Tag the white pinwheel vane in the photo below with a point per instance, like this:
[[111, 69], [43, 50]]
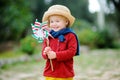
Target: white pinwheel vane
[[40, 31]]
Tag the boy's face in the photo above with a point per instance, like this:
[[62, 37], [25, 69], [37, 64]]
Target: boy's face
[[57, 22]]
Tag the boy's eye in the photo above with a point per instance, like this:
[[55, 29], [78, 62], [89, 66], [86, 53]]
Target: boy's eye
[[57, 21], [51, 21]]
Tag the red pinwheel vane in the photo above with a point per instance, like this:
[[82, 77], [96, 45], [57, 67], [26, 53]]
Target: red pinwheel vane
[[40, 31]]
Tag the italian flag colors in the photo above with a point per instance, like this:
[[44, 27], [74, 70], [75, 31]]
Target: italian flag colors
[[40, 31]]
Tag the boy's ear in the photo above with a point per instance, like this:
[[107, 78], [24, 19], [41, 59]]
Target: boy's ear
[[67, 22]]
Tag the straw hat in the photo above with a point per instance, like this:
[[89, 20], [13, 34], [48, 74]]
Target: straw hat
[[59, 10]]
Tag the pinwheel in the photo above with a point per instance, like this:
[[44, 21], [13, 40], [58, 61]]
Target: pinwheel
[[41, 32]]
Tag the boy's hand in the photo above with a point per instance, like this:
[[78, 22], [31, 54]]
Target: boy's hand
[[51, 55], [46, 50]]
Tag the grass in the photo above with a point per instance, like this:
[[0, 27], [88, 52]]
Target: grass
[[17, 53], [97, 59], [100, 64], [10, 54]]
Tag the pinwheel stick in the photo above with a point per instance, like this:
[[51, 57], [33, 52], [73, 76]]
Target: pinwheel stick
[[50, 59], [40, 32]]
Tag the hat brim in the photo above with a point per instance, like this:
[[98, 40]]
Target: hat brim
[[58, 12]]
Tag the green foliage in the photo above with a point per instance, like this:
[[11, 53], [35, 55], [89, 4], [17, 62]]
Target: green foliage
[[10, 54], [106, 39], [81, 24], [15, 19], [38, 8], [99, 39], [28, 45], [88, 37], [116, 43], [85, 33], [93, 37]]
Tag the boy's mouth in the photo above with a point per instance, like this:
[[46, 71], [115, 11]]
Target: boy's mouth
[[55, 27]]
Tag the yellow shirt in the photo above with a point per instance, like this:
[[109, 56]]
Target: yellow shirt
[[51, 78]]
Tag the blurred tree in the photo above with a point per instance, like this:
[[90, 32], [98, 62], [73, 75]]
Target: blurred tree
[[38, 7], [101, 15], [15, 16], [115, 9], [116, 4]]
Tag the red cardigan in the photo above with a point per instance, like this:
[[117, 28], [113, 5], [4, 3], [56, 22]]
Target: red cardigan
[[65, 51]]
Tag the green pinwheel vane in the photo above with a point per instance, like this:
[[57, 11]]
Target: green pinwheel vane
[[41, 32]]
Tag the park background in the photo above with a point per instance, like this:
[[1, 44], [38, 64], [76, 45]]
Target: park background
[[98, 31]]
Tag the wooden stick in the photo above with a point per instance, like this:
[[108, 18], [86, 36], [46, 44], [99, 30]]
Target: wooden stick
[[50, 59], [51, 65]]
